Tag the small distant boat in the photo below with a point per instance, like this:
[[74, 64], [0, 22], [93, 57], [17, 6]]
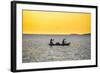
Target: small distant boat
[[59, 44]]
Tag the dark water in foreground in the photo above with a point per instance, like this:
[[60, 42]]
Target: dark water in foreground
[[35, 48]]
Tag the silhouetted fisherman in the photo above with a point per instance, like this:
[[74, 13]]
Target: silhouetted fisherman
[[51, 41], [63, 42]]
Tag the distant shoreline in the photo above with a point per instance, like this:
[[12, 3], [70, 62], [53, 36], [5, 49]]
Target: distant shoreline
[[59, 34]]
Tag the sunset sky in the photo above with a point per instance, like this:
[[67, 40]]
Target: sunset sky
[[46, 22]]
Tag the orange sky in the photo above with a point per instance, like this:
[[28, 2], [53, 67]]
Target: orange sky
[[46, 22]]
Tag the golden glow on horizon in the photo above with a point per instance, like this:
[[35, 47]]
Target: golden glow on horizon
[[46, 22]]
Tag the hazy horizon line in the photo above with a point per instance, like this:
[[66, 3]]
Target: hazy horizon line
[[58, 34]]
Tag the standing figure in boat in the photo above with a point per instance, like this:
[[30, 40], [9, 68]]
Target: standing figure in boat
[[51, 42]]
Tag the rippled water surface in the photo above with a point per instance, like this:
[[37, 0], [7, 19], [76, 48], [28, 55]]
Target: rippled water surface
[[35, 48]]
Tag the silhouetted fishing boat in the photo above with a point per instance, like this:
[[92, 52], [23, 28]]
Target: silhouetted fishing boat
[[58, 44]]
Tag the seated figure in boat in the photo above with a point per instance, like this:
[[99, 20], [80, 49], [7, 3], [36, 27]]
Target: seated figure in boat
[[63, 42]]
